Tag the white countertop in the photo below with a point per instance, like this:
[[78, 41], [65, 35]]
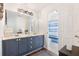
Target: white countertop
[[20, 36]]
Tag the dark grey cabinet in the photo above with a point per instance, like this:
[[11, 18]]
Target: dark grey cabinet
[[37, 42], [21, 46], [10, 47], [29, 43]]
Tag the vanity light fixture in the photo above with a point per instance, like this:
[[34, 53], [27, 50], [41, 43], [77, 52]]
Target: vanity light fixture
[[25, 11]]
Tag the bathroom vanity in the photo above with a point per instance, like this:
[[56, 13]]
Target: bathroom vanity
[[22, 45]]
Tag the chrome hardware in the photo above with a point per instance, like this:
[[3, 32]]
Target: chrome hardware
[[31, 38], [30, 46]]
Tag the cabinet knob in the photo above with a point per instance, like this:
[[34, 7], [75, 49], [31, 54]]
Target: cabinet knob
[[30, 46], [31, 38]]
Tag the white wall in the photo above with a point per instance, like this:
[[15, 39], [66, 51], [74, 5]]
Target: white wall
[[75, 24]]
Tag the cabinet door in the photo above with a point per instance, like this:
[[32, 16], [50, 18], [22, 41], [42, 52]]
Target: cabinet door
[[10, 47], [22, 46], [40, 40], [34, 43], [29, 44], [37, 42]]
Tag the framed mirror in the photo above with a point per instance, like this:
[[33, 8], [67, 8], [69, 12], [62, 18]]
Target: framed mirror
[[16, 23]]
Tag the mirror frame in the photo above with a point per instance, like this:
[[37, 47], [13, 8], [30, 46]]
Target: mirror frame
[[1, 10]]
